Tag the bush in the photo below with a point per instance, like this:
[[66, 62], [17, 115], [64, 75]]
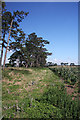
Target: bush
[[70, 75], [36, 109], [43, 110], [58, 97]]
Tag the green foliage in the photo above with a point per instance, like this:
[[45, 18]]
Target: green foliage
[[70, 75], [31, 51], [5, 74], [52, 102], [11, 21], [55, 103], [35, 109], [43, 110], [8, 65], [13, 87], [58, 97], [25, 72]]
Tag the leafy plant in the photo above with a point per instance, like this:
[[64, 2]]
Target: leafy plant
[[70, 75], [58, 97]]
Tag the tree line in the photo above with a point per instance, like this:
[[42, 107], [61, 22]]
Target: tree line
[[30, 51]]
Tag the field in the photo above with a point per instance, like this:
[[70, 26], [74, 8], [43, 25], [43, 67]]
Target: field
[[40, 93]]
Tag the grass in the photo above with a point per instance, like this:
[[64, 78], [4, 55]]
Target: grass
[[23, 87]]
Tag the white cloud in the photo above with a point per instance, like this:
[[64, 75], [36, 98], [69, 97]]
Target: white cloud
[[58, 61], [55, 60]]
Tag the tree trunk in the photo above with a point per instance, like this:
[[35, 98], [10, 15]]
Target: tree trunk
[[23, 64], [1, 54], [17, 63], [31, 64], [26, 65], [7, 45], [2, 48], [37, 62]]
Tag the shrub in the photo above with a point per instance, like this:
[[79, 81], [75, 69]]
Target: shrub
[[70, 75], [58, 97]]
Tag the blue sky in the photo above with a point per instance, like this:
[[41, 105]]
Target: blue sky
[[56, 22]]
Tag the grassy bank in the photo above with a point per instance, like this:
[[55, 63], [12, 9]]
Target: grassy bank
[[36, 93]]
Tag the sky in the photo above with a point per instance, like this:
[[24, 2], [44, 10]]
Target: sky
[[56, 22]]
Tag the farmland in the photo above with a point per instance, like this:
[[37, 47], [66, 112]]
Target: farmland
[[69, 74], [40, 92]]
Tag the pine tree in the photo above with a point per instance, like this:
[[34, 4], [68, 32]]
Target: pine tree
[[34, 51], [17, 46], [12, 25], [3, 10], [31, 51]]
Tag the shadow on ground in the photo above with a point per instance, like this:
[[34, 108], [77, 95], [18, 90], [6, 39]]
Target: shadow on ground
[[20, 71]]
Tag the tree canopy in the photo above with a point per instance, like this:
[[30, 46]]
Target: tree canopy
[[32, 52], [10, 27]]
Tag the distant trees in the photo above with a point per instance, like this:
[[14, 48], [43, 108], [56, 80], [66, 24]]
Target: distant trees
[[32, 53], [64, 63], [55, 64], [72, 64]]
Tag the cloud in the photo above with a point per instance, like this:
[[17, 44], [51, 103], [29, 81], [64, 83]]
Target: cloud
[[55, 60], [58, 61]]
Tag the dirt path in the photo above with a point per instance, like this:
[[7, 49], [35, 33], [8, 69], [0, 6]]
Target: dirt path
[[71, 91]]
